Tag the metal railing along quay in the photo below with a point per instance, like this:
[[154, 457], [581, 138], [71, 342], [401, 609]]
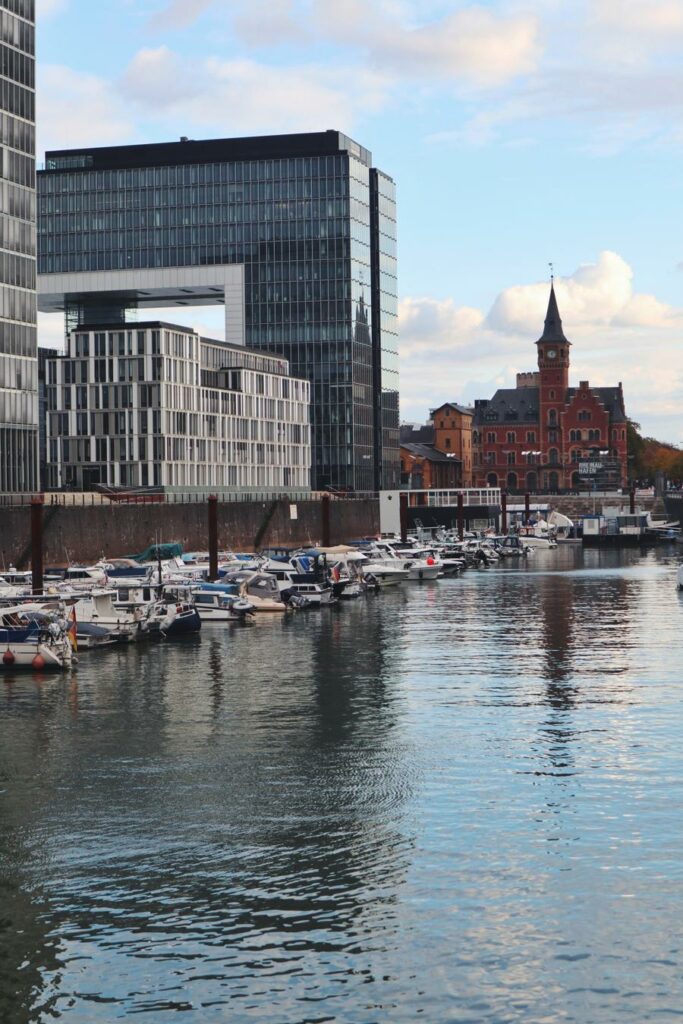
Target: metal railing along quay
[[76, 499]]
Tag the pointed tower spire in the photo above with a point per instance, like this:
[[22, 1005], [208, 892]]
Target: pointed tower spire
[[552, 330]]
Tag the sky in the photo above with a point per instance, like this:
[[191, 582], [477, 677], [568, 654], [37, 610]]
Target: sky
[[518, 134]]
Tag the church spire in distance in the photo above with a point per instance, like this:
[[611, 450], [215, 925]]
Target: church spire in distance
[[552, 330]]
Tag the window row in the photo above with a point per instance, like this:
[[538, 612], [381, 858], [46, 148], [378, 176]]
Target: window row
[[19, 67], [15, 32], [19, 271], [18, 236], [17, 201], [17, 134], [17, 167], [24, 8], [17, 99], [18, 340], [17, 305], [324, 167]]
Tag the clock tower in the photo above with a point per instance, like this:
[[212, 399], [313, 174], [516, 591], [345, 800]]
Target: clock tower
[[553, 382]]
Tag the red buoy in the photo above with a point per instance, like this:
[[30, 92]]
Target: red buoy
[[430, 561], [8, 657], [38, 662]]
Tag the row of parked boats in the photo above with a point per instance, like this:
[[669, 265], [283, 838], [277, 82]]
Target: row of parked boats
[[170, 594]]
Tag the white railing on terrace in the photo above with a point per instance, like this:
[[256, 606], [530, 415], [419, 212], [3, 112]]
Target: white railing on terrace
[[446, 498]]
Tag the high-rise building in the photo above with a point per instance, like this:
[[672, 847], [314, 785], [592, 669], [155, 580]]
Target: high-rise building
[[296, 234], [18, 340]]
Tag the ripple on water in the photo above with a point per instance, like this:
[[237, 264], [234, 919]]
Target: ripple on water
[[459, 801]]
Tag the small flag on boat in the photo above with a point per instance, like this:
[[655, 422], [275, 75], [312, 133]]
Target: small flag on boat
[[73, 630]]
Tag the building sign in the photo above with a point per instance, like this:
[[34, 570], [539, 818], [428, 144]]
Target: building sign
[[602, 473]]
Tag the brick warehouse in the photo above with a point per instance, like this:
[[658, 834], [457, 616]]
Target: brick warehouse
[[533, 437]]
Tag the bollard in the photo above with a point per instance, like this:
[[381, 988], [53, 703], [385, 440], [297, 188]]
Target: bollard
[[37, 544], [504, 513], [213, 537], [404, 517], [632, 501], [527, 508], [461, 516], [325, 520]]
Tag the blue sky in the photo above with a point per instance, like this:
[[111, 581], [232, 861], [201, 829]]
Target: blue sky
[[517, 133]]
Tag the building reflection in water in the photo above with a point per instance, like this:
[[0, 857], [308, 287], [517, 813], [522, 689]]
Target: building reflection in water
[[238, 795]]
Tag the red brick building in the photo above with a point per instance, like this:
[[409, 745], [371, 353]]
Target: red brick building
[[534, 437]]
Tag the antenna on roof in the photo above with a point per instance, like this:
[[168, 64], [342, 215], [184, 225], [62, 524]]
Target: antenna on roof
[[552, 273]]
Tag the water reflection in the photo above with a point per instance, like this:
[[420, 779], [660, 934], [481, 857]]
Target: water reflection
[[427, 803]]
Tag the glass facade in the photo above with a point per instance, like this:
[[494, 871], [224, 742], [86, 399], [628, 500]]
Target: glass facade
[[314, 225], [18, 339]]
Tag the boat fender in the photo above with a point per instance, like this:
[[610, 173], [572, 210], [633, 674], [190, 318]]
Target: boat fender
[[8, 657], [38, 662], [430, 561]]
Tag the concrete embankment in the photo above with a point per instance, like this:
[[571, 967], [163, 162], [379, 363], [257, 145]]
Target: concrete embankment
[[83, 533]]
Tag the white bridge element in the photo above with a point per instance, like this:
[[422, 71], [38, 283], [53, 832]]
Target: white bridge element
[[163, 287], [390, 502]]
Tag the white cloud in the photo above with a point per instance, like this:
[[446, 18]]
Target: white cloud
[[598, 293], [245, 96], [179, 14], [48, 8], [78, 109], [455, 352]]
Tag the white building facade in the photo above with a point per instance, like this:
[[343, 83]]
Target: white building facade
[[155, 405]]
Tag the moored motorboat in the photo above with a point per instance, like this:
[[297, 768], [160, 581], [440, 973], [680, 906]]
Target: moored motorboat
[[30, 644]]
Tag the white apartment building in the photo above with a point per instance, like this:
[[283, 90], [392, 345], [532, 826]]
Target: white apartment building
[[155, 405]]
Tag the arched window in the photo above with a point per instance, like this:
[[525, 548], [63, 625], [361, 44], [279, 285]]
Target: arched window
[[512, 439], [476, 437], [552, 416], [553, 457], [492, 480], [593, 435], [511, 458], [512, 481], [448, 442], [574, 435], [584, 416], [531, 482], [552, 396], [491, 437], [576, 454], [553, 482]]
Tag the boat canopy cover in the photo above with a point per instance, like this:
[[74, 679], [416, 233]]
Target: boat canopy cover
[[163, 551], [216, 588], [557, 519]]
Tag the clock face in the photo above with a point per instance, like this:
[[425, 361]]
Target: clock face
[[551, 353]]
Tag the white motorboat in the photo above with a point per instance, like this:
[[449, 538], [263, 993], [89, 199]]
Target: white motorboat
[[99, 609], [41, 643], [221, 603], [385, 574]]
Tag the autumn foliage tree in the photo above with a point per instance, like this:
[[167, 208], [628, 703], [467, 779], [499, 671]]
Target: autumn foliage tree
[[647, 456]]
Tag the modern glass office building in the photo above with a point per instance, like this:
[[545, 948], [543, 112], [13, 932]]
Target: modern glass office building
[[311, 224], [18, 340]]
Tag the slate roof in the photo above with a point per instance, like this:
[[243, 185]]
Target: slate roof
[[552, 331], [464, 409], [611, 398], [410, 434], [510, 405], [520, 405], [426, 451]]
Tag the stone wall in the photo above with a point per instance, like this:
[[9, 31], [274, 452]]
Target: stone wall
[[85, 534]]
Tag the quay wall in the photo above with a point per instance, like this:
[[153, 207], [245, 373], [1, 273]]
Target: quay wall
[[82, 533]]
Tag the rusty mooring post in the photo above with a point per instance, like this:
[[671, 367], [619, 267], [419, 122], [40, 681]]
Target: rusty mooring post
[[404, 517], [325, 520], [461, 516], [37, 544], [527, 508], [504, 512], [213, 537], [632, 501]]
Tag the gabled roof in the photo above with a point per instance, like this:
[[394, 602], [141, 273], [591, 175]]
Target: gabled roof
[[508, 406], [611, 398], [465, 410], [425, 451], [552, 330]]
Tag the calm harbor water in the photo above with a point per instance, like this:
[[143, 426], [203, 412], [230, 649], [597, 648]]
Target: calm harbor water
[[458, 801]]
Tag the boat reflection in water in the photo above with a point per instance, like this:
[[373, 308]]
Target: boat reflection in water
[[457, 801]]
